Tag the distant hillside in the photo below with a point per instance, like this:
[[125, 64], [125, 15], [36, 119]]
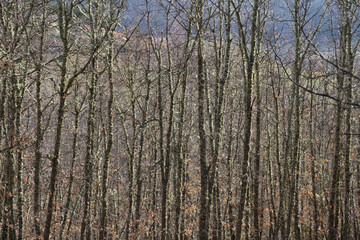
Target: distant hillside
[[136, 9]]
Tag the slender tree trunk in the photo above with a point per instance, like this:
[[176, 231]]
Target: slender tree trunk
[[295, 143], [131, 153], [71, 177], [340, 149], [19, 91], [8, 221], [257, 205], [64, 28], [230, 169], [346, 230], [103, 231], [179, 147], [39, 131], [166, 166], [334, 191], [144, 123], [248, 115], [218, 119], [89, 158], [280, 216], [313, 169], [55, 163], [204, 171], [2, 136]]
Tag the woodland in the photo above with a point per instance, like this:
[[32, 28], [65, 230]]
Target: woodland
[[179, 119]]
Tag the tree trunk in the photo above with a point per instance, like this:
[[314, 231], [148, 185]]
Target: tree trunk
[[251, 58], [103, 231], [39, 131], [73, 160], [89, 158]]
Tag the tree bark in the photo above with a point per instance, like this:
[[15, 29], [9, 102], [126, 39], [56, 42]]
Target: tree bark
[[250, 61]]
